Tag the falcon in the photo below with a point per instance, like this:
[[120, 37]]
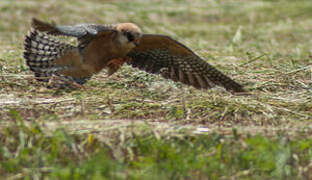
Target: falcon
[[110, 46]]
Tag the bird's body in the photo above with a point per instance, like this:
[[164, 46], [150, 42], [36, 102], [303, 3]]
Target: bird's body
[[109, 46], [93, 58]]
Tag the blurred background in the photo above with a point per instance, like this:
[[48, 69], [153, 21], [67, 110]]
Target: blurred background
[[279, 26], [137, 126]]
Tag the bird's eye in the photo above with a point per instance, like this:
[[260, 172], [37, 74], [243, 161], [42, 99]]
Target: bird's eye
[[129, 36]]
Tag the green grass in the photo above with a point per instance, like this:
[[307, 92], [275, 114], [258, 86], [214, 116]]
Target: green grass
[[138, 126], [29, 151]]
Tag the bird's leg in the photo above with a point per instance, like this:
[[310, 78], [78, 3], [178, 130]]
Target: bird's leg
[[114, 64], [127, 59]]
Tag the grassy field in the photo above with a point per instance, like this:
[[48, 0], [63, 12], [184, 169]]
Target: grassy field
[[138, 126]]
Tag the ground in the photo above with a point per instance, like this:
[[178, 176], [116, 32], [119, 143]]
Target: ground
[[138, 126]]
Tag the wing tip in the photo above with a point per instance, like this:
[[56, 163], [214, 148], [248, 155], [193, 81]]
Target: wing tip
[[236, 88]]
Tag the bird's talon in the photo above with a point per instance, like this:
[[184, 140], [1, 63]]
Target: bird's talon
[[128, 59]]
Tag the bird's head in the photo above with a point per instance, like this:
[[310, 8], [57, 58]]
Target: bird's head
[[129, 34]]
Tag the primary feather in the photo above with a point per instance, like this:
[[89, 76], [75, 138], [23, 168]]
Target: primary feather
[[163, 55]]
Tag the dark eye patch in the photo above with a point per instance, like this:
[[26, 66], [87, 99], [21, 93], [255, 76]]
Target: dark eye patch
[[130, 36]]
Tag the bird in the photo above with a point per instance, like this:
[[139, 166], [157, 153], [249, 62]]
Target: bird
[[110, 46]]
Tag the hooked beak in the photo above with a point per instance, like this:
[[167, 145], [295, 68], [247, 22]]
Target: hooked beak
[[136, 43]]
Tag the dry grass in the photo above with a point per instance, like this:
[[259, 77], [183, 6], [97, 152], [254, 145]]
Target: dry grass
[[264, 45], [267, 53]]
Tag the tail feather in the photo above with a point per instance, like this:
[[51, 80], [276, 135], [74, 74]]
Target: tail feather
[[44, 27], [40, 53]]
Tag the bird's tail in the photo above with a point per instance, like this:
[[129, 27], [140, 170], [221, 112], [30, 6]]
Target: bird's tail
[[48, 28], [40, 53]]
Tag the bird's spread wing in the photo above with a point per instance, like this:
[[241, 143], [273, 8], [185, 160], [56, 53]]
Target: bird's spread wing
[[78, 31], [166, 56]]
